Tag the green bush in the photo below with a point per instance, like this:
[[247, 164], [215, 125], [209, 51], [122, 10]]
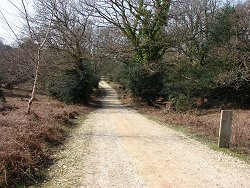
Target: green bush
[[181, 102], [143, 82], [73, 86]]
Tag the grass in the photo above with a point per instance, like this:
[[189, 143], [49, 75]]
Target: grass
[[202, 125], [27, 142]]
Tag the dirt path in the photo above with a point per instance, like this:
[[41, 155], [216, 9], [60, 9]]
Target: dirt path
[[117, 147]]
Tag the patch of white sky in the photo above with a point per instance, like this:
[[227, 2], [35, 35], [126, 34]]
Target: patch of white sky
[[15, 19], [11, 16]]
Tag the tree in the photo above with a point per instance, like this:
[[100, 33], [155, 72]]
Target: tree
[[71, 47], [189, 27], [37, 37], [230, 37], [109, 49], [40, 40], [70, 28], [142, 22], [210, 52]]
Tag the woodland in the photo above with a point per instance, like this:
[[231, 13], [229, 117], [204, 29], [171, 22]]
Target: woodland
[[190, 54]]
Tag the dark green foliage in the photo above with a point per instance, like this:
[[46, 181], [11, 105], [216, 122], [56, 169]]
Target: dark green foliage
[[219, 72], [222, 29], [143, 82], [184, 82], [73, 86], [191, 80]]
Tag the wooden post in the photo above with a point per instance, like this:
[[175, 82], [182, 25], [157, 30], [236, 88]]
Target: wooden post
[[225, 128]]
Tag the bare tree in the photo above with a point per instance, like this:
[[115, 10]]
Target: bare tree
[[109, 50], [71, 28], [40, 45], [189, 27], [37, 37]]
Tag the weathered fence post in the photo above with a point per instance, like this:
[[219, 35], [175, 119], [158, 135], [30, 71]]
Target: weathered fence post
[[225, 128]]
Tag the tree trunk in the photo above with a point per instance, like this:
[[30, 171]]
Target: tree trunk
[[35, 80]]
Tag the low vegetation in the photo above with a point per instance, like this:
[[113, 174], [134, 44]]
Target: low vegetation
[[27, 141]]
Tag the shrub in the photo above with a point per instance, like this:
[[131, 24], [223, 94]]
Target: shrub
[[143, 82], [73, 86], [181, 102], [184, 82]]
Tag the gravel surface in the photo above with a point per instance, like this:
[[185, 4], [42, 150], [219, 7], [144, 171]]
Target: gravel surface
[[117, 147]]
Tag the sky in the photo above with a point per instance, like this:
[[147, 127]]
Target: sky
[[13, 17]]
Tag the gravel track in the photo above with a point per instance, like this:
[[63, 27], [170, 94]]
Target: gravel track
[[117, 147]]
